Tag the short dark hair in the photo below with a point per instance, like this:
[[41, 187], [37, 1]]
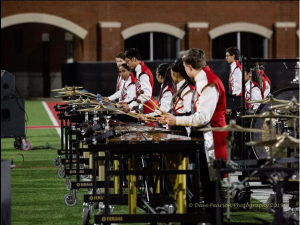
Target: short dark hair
[[195, 57], [120, 55], [233, 51], [132, 52], [125, 66]]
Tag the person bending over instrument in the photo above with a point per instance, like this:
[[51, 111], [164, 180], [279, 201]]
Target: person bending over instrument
[[181, 100], [252, 90], [235, 77], [144, 82], [208, 102], [208, 109], [127, 91], [168, 88]]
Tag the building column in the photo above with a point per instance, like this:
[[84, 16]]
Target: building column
[[297, 42], [109, 41], [285, 43], [197, 37]]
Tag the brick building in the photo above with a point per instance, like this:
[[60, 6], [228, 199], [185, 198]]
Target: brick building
[[38, 36]]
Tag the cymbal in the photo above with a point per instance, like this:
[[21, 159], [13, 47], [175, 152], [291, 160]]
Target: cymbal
[[66, 88], [85, 102], [76, 93], [99, 109], [231, 127], [283, 141], [88, 94], [270, 100], [80, 99], [292, 106], [271, 114], [70, 93]]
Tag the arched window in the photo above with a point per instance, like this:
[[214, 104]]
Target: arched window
[[154, 45], [251, 45]]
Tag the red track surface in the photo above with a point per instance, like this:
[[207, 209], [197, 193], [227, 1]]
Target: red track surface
[[41, 127], [54, 113], [51, 107]]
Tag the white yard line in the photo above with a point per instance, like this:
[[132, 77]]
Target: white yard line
[[55, 123]]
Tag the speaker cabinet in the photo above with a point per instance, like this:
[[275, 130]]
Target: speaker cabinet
[[13, 118], [7, 84], [5, 193]]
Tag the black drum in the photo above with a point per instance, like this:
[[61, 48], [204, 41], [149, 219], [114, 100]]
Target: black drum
[[279, 126]]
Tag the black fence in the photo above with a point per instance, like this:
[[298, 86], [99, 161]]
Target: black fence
[[101, 77]]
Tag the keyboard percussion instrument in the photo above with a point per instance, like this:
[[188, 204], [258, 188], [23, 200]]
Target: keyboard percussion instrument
[[122, 161]]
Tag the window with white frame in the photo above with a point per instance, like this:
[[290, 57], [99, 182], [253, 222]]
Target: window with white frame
[[69, 47], [154, 45], [250, 45]]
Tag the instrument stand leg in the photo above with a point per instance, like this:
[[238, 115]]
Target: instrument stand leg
[[218, 200], [132, 190], [278, 217]]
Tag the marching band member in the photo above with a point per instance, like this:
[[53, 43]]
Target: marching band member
[[144, 81], [251, 85], [235, 78], [208, 109], [120, 59], [127, 91], [181, 100], [168, 88], [209, 102], [266, 81]]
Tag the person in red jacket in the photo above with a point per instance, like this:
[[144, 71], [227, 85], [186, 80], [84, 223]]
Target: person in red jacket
[[252, 90], [208, 110], [144, 81], [209, 101], [266, 89], [252, 87], [235, 77]]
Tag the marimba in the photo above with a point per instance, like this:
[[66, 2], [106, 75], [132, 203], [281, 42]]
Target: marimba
[[135, 145]]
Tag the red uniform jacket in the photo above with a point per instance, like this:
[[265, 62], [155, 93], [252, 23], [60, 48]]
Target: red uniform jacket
[[145, 70], [218, 118]]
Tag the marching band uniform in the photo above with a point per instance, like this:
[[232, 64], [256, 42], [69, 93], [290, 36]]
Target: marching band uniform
[[119, 83], [182, 104], [144, 81], [164, 102], [209, 105], [266, 83], [255, 94], [235, 78], [127, 92], [208, 110]]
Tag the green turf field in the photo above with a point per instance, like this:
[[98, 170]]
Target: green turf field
[[37, 191]]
